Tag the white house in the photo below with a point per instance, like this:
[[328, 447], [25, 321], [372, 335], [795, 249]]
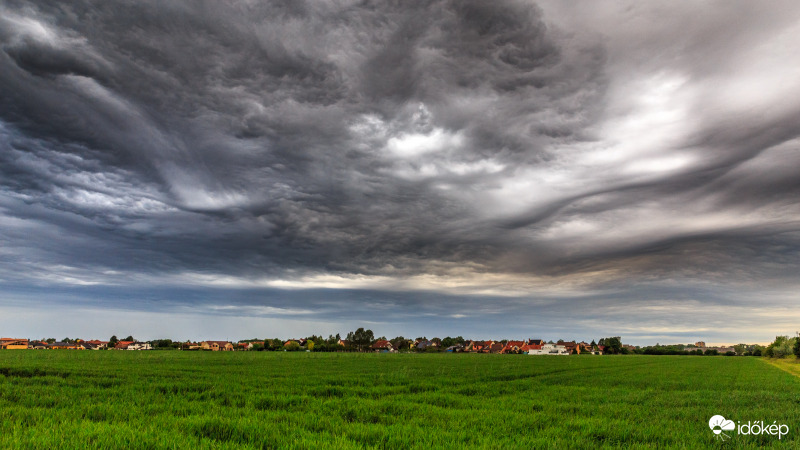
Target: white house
[[139, 346], [550, 349]]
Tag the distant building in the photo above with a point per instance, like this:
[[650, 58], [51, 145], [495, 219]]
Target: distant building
[[123, 345], [700, 344], [139, 346], [550, 349], [217, 346], [13, 344], [476, 346], [571, 346], [64, 346], [497, 347], [382, 345], [97, 345], [512, 347], [424, 345]]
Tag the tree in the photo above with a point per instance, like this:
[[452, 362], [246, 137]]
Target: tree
[[400, 343], [112, 342], [362, 338], [162, 343], [129, 338], [50, 340], [739, 349], [332, 340], [613, 345], [310, 345], [276, 344], [796, 349]]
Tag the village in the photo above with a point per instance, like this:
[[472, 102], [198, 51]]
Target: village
[[449, 345]]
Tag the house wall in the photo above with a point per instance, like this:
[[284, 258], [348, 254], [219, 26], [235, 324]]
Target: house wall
[[16, 347]]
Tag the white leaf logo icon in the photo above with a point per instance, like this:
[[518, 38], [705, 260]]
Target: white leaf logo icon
[[718, 424]]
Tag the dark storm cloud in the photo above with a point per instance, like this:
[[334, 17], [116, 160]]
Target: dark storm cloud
[[461, 146], [243, 115]]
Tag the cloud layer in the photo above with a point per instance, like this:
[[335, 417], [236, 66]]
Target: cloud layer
[[469, 153]]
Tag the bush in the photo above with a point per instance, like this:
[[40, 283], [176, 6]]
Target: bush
[[293, 346], [782, 347]]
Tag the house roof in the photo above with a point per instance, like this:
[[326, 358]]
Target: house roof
[[495, 348], [221, 343], [426, 344], [511, 344], [528, 347], [381, 343]]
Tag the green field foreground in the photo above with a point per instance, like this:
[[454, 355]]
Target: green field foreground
[[108, 399]]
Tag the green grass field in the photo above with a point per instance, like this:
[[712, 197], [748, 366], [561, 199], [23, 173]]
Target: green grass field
[[85, 399]]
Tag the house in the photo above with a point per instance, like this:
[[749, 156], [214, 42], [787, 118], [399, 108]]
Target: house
[[528, 347], [344, 343], [550, 349], [571, 346], [38, 345], [479, 346], [97, 344], [700, 344], [474, 346], [458, 348], [497, 347], [122, 345], [139, 346], [64, 346], [382, 345], [188, 345], [13, 344], [424, 345], [217, 346], [512, 347], [538, 342]]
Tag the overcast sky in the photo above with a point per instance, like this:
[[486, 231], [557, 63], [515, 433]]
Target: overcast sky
[[490, 169]]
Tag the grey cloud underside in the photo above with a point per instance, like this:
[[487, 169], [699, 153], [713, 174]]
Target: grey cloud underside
[[251, 139]]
